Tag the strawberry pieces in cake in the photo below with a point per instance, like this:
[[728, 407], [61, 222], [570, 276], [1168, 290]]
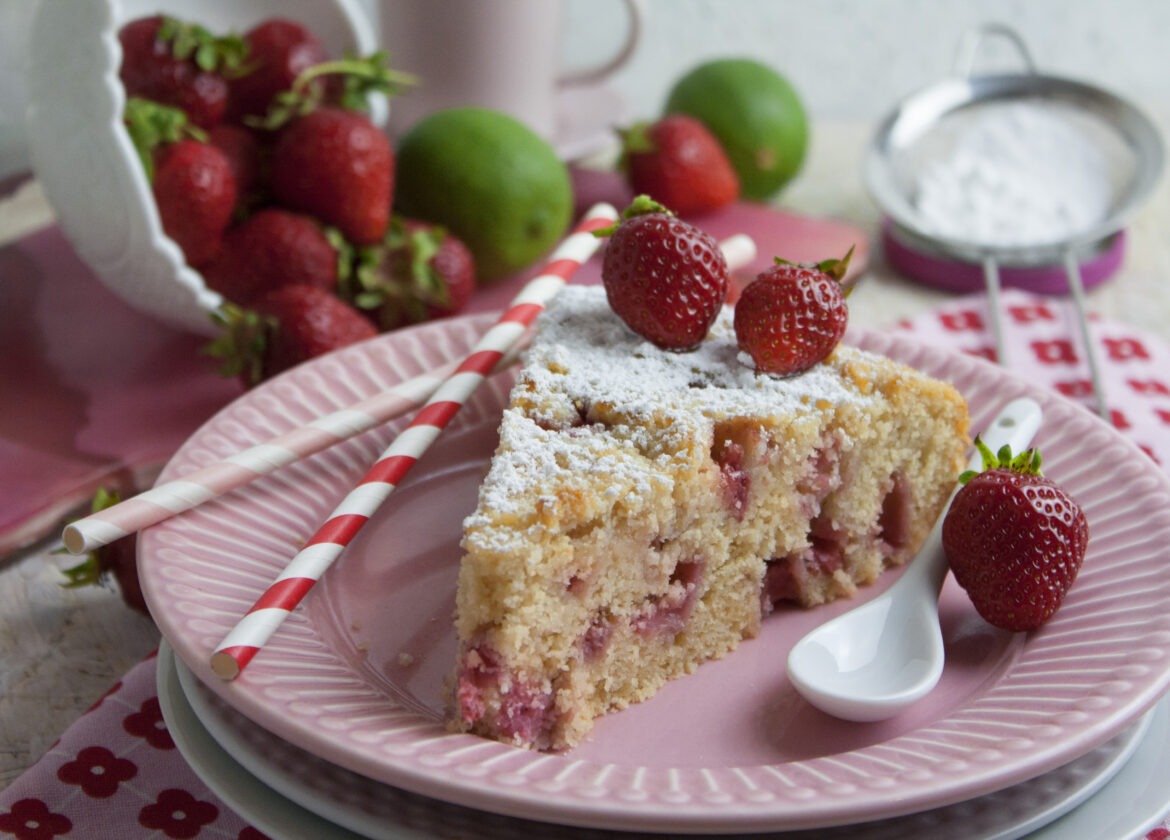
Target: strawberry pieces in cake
[[792, 315], [1014, 539], [665, 278]]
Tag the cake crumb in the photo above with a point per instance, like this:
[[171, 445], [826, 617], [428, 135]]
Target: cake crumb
[[405, 660]]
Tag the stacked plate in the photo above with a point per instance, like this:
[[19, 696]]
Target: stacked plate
[[342, 712]]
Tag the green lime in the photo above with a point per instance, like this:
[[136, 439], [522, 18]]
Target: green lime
[[755, 114], [489, 180]]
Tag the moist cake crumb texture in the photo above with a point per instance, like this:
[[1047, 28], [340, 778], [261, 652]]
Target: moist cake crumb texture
[[646, 509]]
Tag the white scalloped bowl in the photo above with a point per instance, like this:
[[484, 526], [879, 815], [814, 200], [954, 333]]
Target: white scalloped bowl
[[83, 156]]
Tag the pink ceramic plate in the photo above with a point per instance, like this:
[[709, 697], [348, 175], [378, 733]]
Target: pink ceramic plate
[[355, 675]]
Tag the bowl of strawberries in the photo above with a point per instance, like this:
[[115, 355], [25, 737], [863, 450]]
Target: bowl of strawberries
[[150, 125]]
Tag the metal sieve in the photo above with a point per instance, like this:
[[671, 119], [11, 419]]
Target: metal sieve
[[926, 124]]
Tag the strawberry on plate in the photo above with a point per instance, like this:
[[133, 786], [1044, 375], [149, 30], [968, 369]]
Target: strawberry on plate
[[665, 278], [1015, 540], [677, 161], [792, 315], [271, 249], [420, 272]]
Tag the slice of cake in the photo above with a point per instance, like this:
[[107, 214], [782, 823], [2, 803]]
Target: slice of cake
[[646, 509]]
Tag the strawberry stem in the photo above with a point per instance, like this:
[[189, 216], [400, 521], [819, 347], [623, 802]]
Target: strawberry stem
[[1026, 462], [835, 268], [150, 125], [642, 205], [89, 571], [362, 76], [224, 54], [240, 347]]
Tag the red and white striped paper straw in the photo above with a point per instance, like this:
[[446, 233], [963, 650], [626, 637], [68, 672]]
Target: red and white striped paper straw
[[173, 497], [270, 610]]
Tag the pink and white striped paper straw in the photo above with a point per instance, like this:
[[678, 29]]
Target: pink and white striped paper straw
[[270, 610], [173, 497]]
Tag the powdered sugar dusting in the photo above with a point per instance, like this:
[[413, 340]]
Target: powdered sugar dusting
[[659, 405], [603, 360], [532, 458]]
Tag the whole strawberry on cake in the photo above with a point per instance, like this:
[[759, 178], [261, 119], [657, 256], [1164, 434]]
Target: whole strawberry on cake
[[657, 492]]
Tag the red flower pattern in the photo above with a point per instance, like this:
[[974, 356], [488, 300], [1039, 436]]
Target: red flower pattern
[[177, 814], [31, 819], [1055, 351], [98, 772], [1029, 312], [1150, 386], [1076, 388], [959, 321], [1124, 349], [148, 723]]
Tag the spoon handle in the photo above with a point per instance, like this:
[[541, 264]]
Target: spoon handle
[[1015, 425]]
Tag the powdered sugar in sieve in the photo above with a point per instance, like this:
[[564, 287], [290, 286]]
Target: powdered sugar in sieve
[[1015, 173]]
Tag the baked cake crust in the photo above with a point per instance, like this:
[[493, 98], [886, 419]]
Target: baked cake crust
[[646, 509]]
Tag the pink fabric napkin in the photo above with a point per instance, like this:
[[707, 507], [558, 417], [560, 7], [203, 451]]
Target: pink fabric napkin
[[117, 774]]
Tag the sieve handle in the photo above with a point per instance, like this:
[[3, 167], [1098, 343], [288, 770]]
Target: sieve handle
[[992, 285], [974, 39], [1077, 288]]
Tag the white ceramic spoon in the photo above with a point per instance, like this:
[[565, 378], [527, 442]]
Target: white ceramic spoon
[[872, 662]]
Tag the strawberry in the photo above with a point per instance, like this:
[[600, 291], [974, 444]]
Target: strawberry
[[1014, 539], [180, 65], [678, 162], [336, 165], [664, 277], [792, 315], [332, 162], [117, 560], [271, 249], [195, 193], [284, 327], [420, 272], [278, 51]]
